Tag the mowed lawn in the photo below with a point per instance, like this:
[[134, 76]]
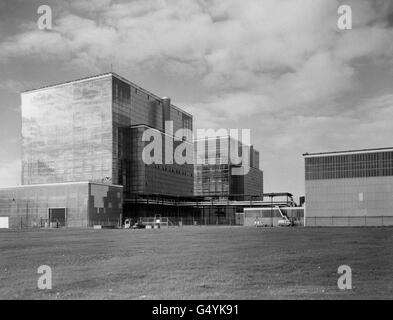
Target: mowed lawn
[[198, 263]]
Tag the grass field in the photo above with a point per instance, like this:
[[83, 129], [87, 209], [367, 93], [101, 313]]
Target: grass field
[[198, 263]]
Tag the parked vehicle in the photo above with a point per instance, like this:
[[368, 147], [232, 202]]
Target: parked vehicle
[[284, 222]]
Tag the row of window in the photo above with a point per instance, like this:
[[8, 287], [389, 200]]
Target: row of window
[[350, 166], [173, 170]]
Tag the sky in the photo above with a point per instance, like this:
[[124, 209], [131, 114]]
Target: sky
[[281, 68]]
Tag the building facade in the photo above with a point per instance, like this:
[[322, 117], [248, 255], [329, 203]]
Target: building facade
[[91, 130], [88, 135], [74, 204], [140, 177], [349, 188], [71, 131], [214, 170]]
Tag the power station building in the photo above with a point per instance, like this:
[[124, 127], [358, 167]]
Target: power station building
[[86, 134], [349, 188], [83, 160], [216, 174]]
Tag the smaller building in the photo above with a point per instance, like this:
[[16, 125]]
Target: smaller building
[[215, 170], [349, 188], [74, 204]]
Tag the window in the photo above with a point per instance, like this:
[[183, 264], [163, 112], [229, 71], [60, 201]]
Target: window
[[349, 166]]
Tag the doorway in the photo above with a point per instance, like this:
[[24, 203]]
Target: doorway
[[57, 217]]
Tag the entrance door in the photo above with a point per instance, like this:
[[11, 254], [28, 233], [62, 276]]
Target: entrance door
[[57, 217]]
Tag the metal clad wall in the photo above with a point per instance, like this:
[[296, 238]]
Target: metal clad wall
[[28, 206], [352, 188], [67, 133], [105, 204], [331, 201], [166, 179]]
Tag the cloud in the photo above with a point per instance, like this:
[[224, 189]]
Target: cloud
[[15, 86], [230, 107], [236, 45]]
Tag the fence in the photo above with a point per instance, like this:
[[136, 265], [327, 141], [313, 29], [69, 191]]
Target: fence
[[271, 216], [105, 223], [203, 220], [349, 221], [22, 223]]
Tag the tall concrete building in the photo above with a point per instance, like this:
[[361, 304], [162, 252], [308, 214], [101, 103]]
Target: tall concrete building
[[78, 131], [83, 149], [87, 134], [349, 188]]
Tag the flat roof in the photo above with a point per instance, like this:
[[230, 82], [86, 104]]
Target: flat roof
[[104, 75], [335, 153], [59, 183], [278, 194], [226, 137], [142, 125]]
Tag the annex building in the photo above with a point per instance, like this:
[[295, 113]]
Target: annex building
[[349, 188]]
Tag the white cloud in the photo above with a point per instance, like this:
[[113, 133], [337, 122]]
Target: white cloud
[[16, 86]]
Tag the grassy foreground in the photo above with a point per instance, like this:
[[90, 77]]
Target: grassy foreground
[[198, 263]]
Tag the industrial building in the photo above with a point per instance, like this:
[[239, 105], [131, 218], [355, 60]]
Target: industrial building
[[349, 188], [73, 204], [79, 130], [89, 130], [82, 161], [219, 195], [214, 174]]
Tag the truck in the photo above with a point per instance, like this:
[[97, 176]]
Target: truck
[[284, 222]]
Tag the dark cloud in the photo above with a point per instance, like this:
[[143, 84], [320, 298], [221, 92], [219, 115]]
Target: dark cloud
[[384, 13], [389, 19]]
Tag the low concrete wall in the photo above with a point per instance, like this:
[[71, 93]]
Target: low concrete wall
[[85, 203]]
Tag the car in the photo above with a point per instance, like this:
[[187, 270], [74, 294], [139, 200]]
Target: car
[[285, 223], [258, 224]]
